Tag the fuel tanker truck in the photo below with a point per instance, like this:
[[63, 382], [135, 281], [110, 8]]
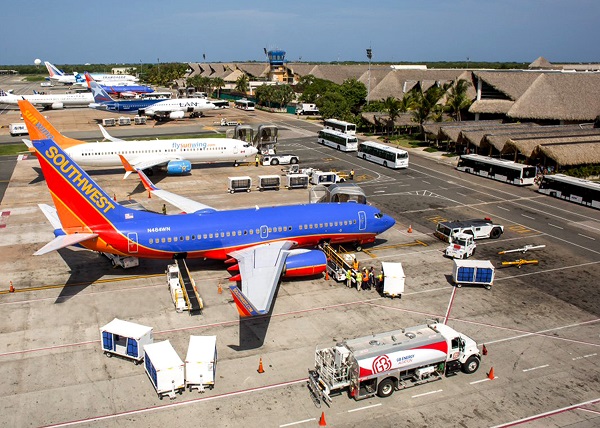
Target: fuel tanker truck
[[381, 363]]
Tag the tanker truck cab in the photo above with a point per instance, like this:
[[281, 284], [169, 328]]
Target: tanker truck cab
[[463, 353]]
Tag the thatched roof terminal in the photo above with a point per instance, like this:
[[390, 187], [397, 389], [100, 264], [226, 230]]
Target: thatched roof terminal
[[475, 136], [511, 83], [491, 106], [571, 154], [451, 130], [499, 139], [526, 146]]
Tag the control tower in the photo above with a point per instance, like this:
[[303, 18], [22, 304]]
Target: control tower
[[278, 72]]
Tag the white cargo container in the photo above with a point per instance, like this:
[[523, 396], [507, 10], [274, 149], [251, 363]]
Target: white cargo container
[[126, 339], [201, 362], [297, 181], [269, 182], [478, 272], [124, 121], [240, 184], [164, 368], [111, 121], [393, 279]]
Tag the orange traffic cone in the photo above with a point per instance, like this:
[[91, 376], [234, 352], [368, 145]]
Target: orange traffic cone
[[260, 366], [491, 374], [115, 197], [409, 228], [484, 350], [220, 289], [149, 194], [11, 289], [322, 422], [326, 275]]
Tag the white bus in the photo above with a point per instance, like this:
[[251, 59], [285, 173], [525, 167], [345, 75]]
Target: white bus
[[338, 140], [571, 189], [244, 104], [497, 169], [340, 126], [387, 156]]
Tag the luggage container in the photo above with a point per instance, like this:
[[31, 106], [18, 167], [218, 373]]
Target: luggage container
[[139, 120], [201, 363], [164, 368], [297, 181], [17, 129], [240, 184], [393, 279], [268, 182], [109, 122], [124, 121], [126, 339], [479, 272], [324, 178]]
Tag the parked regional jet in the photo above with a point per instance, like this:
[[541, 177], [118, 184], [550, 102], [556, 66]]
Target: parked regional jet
[[265, 241], [53, 101], [176, 156], [61, 77], [159, 109]]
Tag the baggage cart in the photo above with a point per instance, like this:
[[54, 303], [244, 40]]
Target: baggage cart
[[164, 368], [240, 184], [297, 181], [109, 122], [140, 120], [393, 279], [125, 339], [268, 182], [124, 121], [477, 272], [201, 363]]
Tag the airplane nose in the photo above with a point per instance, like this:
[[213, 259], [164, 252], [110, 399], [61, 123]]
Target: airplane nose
[[388, 221]]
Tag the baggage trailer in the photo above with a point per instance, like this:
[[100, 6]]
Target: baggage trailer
[[297, 181], [201, 363], [269, 182], [126, 339], [164, 368], [240, 184], [380, 364], [477, 272], [393, 279]]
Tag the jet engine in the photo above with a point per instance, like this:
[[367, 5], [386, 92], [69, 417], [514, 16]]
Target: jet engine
[[176, 115], [303, 262], [179, 167], [57, 106]]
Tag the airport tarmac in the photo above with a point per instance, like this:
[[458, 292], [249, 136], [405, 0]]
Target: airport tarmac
[[539, 323]]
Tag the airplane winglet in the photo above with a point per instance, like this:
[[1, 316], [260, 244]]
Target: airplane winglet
[[109, 137], [148, 185], [129, 169], [243, 305]]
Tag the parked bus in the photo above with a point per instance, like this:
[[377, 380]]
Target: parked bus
[[387, 156], [244, 104], [571, 189], [338, 140], [340, 126], [497, 169]]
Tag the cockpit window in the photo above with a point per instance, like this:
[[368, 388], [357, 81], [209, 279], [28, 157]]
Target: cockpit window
[[378, 215]]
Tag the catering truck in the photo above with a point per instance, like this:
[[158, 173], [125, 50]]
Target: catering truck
[[381, 363]]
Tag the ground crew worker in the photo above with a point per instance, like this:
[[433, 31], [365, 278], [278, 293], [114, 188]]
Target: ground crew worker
[[380, 280], [366, 279], [256, 160], [164, 209], [355, 264], [371, 278], [359, 280], [349, 278], [352, 174]]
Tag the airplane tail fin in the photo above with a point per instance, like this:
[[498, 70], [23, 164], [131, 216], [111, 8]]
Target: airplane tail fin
[[40, 129], [81, 204], [100, 95], [52, 70]]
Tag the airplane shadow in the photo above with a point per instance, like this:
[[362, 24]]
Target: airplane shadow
[[40, 176]]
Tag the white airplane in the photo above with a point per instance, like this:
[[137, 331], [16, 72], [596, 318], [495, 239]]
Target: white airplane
[[76, 78], [53, 101], [176, 156], [174, 108]]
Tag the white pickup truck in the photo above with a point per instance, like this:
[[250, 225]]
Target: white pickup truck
[[485, 228]]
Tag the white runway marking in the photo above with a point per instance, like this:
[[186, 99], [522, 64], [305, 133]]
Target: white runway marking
[[427, 393], [364, 408], [535, 368], [298, 422]]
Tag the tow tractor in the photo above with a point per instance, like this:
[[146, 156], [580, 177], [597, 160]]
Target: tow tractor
[[462, 246]]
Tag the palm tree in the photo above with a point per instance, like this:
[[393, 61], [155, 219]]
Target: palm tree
[[218, 83], [241, 84], [392, 106], [426, 105], [457, 98]]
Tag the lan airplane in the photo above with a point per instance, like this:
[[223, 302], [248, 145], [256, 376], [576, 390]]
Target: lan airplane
[[159, 109], [265, 242], [176, 155], [49, 101]]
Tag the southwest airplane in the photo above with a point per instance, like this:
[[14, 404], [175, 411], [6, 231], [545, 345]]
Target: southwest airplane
[[159, 109], [60, 77], [175, 155], [265, 242], [49, 101]]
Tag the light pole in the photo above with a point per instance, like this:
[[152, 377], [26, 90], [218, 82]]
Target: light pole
[[369, 55]]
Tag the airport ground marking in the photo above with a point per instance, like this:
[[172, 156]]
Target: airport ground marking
[[546, 414], [427, 393], [502, 208], [553, 225], [585, 236], [596, 412], [297, 422], [536, 368], [450, 304], [364, 408], [528, 216], [482, 380], [584, 356], [179, 404]]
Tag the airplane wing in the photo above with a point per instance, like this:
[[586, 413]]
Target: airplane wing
[[145, 164], [181, 202], [63, 241], [260, 269], [109, 137]]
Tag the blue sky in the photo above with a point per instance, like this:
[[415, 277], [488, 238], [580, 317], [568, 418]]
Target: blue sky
[[66, 32]]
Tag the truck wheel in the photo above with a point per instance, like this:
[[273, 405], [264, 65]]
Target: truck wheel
[[294, 161], [471, 365], [385, 388], [495, 233], [458, 285], [274, 162]]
